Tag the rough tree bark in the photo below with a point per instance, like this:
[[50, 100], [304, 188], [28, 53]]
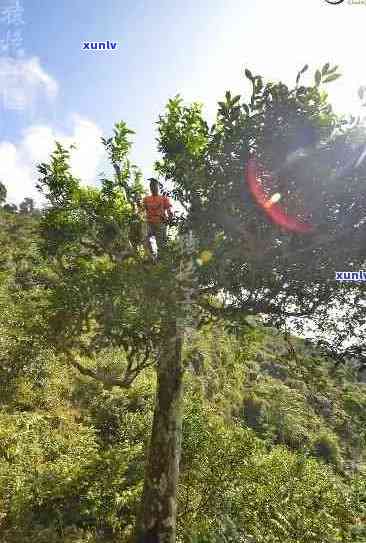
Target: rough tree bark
[[157, 518]]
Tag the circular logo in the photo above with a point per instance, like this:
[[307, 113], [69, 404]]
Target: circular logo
[[334, 1]]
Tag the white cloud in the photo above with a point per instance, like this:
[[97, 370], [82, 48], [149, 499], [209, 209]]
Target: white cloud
[[18, 163], [14, 173], [89, 149], [23, 81]]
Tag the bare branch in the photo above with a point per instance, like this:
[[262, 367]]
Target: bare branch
[[232, 311], [129, 376], [97, 375]]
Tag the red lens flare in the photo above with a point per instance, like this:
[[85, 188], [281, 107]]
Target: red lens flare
[[274, 210]]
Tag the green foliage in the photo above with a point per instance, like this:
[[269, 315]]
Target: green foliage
[[117, 418], [10, 208], [102, 292], [22, 297], [27, 206], [273, 442], [65, 469], [41, 455], [233, 488], [259, 266], [73, 451]]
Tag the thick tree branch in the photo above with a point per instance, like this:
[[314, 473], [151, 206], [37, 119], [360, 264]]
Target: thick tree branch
[[124, 382], [253, 309], [97, 375]]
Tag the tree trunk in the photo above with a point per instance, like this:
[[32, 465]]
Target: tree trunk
[[157, 519]]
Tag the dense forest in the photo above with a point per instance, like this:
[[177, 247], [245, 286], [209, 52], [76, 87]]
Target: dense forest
[[133, 411]]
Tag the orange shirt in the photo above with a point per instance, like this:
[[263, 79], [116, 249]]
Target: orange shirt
[[155, 207]]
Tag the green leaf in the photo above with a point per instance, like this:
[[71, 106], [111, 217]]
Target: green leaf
[[302, 71], [333, 70], [318, 78], [249, 75], [331, 78], [325, 68]]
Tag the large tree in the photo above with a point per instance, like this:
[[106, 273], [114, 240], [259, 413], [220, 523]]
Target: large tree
[[27, 205], [103, 291]]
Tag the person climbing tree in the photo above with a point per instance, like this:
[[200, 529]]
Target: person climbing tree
[[158, 214]]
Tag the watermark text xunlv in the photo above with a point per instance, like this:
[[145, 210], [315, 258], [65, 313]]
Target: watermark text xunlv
[[101, 45], [350, 276]]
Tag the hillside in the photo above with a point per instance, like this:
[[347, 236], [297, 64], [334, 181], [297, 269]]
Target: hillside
[[273, 437]]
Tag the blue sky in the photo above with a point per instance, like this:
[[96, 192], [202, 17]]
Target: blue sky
[[196, 48]]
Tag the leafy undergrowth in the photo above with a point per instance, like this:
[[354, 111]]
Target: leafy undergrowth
[[273, 440], [273, 448]]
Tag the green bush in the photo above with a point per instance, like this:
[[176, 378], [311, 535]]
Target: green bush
[[232, 488]]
